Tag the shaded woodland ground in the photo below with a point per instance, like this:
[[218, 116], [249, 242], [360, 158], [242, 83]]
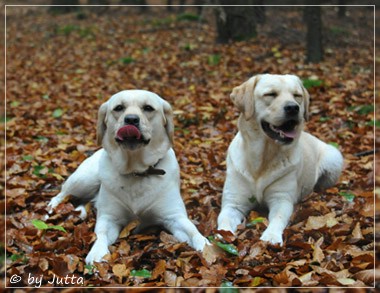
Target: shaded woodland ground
[[60, 68]]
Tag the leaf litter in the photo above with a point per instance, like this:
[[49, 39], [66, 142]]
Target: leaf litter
[[61, 68]]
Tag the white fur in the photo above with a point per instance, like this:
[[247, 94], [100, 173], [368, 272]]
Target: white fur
[[107, 176], [260, 170]]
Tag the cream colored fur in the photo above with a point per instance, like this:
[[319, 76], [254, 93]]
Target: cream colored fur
[[108, 179], [265, 171]]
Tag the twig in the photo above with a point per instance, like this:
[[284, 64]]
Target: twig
[[366, 153]]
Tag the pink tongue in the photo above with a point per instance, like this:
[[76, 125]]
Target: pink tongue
[[128, 132], [290, 134]]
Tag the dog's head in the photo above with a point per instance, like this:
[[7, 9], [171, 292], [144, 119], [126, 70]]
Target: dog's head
[[278, 103], [133, 119]]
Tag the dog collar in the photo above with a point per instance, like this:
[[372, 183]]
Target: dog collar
[[152, 170]]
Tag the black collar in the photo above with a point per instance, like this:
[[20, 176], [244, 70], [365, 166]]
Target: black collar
[[150, 171]]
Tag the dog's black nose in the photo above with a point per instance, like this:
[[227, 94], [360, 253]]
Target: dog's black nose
[[132, 119], [291, 109]]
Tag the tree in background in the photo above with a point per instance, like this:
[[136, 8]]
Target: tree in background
[[142, 8], [236, 22], [314, 49], [64, 9]]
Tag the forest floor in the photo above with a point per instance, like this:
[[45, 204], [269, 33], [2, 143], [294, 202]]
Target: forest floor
[[59, 70]]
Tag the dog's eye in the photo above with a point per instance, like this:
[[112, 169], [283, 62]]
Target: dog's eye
[[118, 108], [271, 94], [148, 108], [298, 98]]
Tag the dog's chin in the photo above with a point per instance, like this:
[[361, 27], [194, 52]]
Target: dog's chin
[[132, 144], [283, 134]]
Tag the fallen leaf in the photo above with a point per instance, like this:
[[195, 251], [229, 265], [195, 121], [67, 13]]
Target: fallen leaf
[[315, 223]]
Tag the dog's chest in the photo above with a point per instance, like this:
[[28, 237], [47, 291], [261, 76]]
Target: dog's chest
[[133, 192]]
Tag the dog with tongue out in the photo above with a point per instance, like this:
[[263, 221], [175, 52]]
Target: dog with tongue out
[[135, 175]]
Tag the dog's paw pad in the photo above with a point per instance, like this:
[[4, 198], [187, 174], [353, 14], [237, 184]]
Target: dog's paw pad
[[271, 237]]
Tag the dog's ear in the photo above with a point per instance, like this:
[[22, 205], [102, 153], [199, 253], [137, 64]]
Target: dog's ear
[[101, 124], [242, 96], [168, 120], [306, 100]]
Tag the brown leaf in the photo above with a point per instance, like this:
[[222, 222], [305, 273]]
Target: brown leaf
[[167, 238], [170, 278], [285, 278], [159, 269], [120, 271], [15, 192], [51, 129], [315, 223], [211, 253], [227, 235], [43, 264], [212, 276], [127, 229], [357, 233], [366, 276], [307, 280], [124, 248], [318, 254], [72, 262]]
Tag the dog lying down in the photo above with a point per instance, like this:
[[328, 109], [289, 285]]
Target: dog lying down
[[134, 175], [271, 161]]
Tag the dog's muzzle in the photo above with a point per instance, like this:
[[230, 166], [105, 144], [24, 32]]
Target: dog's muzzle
[[130, 134], [284, 133]]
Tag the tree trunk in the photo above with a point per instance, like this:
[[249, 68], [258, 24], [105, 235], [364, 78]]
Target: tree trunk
[[260, 12], [64, 9], [168, 7], [342, 9], [181, 8], [314, 34], [199, 6], [98, 9], [136, 2], [98, 2], [235, 23]]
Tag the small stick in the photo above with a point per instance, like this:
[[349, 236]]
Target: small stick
[[366, 153]]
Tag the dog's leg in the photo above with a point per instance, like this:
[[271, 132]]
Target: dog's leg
[[230, 217], [329, 169], [107, 231], [235, 202], [171, 213], [280, 210], [185, 231], [111, 217], [83, 183]]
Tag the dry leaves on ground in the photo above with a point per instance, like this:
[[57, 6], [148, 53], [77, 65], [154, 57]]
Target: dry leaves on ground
[[61, 68]]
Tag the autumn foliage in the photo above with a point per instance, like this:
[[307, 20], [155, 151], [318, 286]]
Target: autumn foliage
[[60, 68]]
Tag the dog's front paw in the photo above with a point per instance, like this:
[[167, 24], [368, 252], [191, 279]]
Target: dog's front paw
[[199, 242], [54, 202], [82, 210], [229, 219], [229, 225], [96, 254], [273, 237]]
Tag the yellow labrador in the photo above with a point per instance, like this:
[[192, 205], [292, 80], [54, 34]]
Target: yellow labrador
[[135, 174], [271, 160]]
